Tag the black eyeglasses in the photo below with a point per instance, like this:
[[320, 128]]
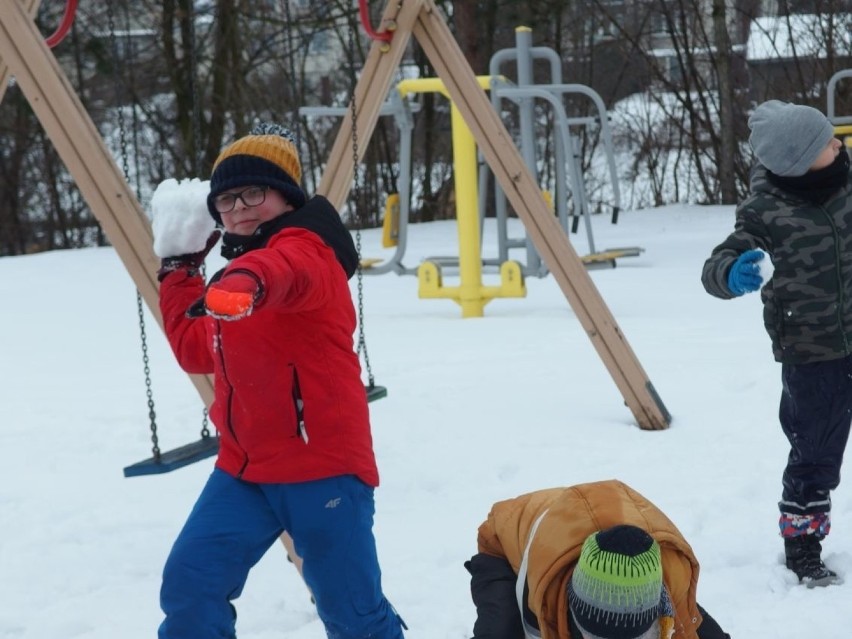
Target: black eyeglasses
[[252, 196]]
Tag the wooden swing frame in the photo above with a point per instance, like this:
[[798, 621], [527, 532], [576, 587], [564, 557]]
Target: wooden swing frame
[[24, 55]]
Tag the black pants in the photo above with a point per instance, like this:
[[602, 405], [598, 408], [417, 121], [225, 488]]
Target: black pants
[[815, 414]]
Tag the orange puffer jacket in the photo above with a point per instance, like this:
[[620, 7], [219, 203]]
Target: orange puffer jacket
[[571, 515]]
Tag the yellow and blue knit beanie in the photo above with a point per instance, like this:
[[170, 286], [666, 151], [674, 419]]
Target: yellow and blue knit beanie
[[616, 590], [267, 156]]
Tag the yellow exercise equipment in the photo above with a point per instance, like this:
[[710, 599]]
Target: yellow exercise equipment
[[390, 223], [470, 294]]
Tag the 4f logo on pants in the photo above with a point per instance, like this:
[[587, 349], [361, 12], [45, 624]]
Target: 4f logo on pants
[[333, 503]]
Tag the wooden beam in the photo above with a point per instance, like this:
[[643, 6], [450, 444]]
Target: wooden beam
[[496, 145], [79, 144], [31, 7], [423, 20]]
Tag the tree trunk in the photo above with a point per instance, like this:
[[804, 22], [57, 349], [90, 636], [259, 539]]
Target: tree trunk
[[727, 134], [467, 33]]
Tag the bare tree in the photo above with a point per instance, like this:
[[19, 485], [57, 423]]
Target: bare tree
[[723, 68], [169, 82]]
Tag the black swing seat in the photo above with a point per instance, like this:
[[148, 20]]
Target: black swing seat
[[203, 448], [174, 459], [375, 392]]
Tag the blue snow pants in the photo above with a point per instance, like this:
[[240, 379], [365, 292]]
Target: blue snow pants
[[235, 522], [815, 414]]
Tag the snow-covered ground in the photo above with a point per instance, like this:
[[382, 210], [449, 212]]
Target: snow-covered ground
[[478, 410]]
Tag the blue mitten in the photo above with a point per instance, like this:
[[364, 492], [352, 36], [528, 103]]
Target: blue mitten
[[744, 276]]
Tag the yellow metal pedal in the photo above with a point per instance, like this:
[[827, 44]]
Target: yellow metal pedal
[[429, 280], [512, 280]]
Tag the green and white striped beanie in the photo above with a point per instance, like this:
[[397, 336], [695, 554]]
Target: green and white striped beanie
[[617, 585]]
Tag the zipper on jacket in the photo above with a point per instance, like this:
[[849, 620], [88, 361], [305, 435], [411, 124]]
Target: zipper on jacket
[[299, 405], [230, 399], [839, 271]]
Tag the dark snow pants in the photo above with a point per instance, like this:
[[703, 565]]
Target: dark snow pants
[[815, 414], [234, 523]]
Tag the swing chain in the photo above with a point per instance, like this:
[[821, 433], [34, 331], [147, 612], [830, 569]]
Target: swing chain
[[205, 422], [291, 55], [152, 415], [122, 132], [125, 166], [197, 148], [197, 151], [362, 341]]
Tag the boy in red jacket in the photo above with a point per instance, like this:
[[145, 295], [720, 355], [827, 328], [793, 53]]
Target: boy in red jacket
[[275, 329]]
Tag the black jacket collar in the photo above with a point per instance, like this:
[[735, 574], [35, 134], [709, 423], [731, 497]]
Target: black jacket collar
[[317, 216], [816, 186]]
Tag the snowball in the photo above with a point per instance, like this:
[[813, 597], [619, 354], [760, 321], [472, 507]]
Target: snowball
[[180, 219], [765, 268]]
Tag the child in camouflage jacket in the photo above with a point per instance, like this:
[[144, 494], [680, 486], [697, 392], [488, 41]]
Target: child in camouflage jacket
[[799, 211]]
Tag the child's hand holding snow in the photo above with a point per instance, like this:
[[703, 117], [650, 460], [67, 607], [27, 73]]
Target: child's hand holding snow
[[181, 223]]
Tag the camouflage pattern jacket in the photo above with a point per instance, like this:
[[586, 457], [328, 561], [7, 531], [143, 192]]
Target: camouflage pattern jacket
[[807, 305]]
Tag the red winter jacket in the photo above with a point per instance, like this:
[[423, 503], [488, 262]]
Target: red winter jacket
[[292, 360]]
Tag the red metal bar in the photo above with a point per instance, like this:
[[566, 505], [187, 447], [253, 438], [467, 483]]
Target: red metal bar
[[364, 11], [64, 26]]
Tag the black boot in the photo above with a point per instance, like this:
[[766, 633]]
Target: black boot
[[803, 558]]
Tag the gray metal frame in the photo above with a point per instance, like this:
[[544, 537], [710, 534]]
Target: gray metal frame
[[402, 113], [568, 164], [830, 91]]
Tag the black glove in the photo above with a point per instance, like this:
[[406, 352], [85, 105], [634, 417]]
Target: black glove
[[191, 262], [492, 588]]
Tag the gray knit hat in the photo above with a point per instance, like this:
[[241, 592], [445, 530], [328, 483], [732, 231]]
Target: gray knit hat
[[787, 138]]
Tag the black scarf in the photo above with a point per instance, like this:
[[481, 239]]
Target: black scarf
[[816, 186], [317, 215]]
